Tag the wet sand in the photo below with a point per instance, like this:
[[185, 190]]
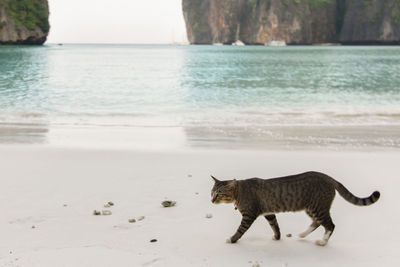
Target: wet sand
[[274, 137]]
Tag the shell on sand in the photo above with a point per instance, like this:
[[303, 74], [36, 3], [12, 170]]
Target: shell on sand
[[106, 212], [109, 204], [168, 203]]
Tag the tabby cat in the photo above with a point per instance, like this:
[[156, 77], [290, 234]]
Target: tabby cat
[[310, 191]]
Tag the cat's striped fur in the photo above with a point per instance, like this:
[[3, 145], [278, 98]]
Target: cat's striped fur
[[312, 192]]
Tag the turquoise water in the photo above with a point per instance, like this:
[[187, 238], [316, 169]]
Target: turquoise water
[[225, 93]]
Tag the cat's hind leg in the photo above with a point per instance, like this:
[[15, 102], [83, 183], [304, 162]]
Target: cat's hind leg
[[329, 227], [310, 229], [274, 225], [315, 224]]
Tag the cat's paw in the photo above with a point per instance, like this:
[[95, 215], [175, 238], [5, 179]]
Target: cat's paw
[[321, 242], [231, 240], [302, 235], [276, 238]]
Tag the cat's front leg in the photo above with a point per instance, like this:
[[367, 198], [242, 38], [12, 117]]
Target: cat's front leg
[[274, 225], [247, 221]]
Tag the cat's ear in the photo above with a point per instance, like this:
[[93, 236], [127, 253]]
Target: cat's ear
[[215, 179]]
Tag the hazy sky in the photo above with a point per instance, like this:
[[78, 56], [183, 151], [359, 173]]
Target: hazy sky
[[116, 21]]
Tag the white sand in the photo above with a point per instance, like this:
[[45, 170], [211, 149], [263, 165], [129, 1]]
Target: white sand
[[36, 182]]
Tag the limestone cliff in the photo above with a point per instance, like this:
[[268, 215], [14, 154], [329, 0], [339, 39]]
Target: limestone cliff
[[371, 21], [293, 21], [24, 21]]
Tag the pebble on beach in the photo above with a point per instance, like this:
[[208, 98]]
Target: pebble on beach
[[96, 212], [209, 215], [168, 203], [108, 204], [106, 212], [141, 218], [132, 220], [153, 240], [289, 235]]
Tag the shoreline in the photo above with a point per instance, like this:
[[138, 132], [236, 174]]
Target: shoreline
[[273, 137], [56, 190]]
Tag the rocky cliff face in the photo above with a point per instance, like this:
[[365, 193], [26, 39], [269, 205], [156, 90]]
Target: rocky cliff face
[[293, 21], [24, 21], [211, 21], [371, 21]]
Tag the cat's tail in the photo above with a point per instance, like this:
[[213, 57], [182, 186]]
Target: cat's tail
[[346, 194]]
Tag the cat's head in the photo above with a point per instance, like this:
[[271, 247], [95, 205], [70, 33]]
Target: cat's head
[[223, 191]]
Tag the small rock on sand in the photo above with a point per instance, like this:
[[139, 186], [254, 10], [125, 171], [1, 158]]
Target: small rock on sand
[[108, 204], [141, 218], [106, 212], [96, 212], [132, 220], [168, 203], [289, 235], [189, 175], [209, 215], [153, 240]]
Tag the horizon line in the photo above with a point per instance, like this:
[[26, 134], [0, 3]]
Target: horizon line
[[78, 43]]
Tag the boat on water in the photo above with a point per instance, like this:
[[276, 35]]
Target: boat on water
[[238, 43], [276, 43]]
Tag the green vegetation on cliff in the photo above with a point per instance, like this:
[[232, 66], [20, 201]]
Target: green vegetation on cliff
[[318, 3], [28, 13], [395, 16]]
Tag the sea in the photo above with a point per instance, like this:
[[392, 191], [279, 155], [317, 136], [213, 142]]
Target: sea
[[222, 97]]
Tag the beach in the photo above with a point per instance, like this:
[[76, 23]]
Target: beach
[[49, 193], [82, 125], [115, 119]]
